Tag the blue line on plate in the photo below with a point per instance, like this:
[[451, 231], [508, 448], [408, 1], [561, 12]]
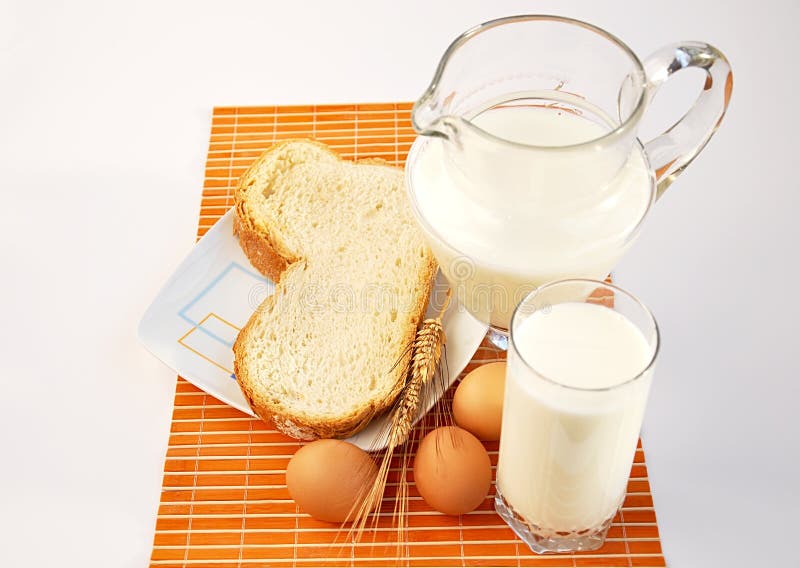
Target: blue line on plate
[[206, 290]]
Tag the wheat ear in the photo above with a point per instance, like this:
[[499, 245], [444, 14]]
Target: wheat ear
[[426, 352]]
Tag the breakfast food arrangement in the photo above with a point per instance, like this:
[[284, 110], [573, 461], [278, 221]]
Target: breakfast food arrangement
[[342, 227], [524, 187]]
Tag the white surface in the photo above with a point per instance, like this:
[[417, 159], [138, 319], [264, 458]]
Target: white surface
[[104, 121], [195, 318]]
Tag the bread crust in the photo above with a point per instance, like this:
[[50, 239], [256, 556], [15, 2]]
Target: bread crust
[[263, 251], [261, 254]]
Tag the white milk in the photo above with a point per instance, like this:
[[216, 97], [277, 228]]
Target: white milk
[[566, 454], [494, 242]]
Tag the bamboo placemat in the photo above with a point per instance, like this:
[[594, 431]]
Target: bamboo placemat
[[224, 501]]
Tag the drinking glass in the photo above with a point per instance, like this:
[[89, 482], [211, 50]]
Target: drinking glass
[[566, 446]]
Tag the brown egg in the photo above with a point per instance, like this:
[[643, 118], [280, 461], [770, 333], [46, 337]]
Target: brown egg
[[478, 402], [326, 477], [452, 470]]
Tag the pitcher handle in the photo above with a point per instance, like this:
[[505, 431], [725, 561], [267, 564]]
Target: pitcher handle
[[673, 150]]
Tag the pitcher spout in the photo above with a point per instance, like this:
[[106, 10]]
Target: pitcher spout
[[428, 117]]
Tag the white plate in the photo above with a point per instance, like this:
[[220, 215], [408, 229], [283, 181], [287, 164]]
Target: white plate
[[194, 320]]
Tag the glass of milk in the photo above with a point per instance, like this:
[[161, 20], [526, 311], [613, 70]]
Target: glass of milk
[[528, 167], [580, 361]]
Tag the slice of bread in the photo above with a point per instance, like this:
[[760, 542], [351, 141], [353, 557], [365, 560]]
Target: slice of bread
[[328, 350]]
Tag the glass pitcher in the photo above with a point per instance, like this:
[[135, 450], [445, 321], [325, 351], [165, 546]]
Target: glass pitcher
[[528, 168]]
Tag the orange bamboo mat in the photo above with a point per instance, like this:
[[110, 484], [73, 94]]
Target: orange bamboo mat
[[224, 501]]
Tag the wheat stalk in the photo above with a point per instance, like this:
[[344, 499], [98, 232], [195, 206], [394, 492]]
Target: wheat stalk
[[426, 352]]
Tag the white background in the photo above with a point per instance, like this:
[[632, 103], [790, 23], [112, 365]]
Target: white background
[[104, 121]]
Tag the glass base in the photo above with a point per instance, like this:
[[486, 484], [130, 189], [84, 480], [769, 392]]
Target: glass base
[[541, 541], [498, 337]]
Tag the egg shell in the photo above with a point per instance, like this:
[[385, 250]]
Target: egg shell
[[452, 470], [478, 401], [326, 478]]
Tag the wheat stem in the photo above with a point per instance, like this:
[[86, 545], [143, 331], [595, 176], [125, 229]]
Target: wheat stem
[[426, 352]]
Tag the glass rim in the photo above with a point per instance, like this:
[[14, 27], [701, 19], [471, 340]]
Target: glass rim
[[599, 283], [454, 46]]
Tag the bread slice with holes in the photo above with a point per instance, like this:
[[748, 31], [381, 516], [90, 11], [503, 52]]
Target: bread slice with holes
[[328, 350]]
